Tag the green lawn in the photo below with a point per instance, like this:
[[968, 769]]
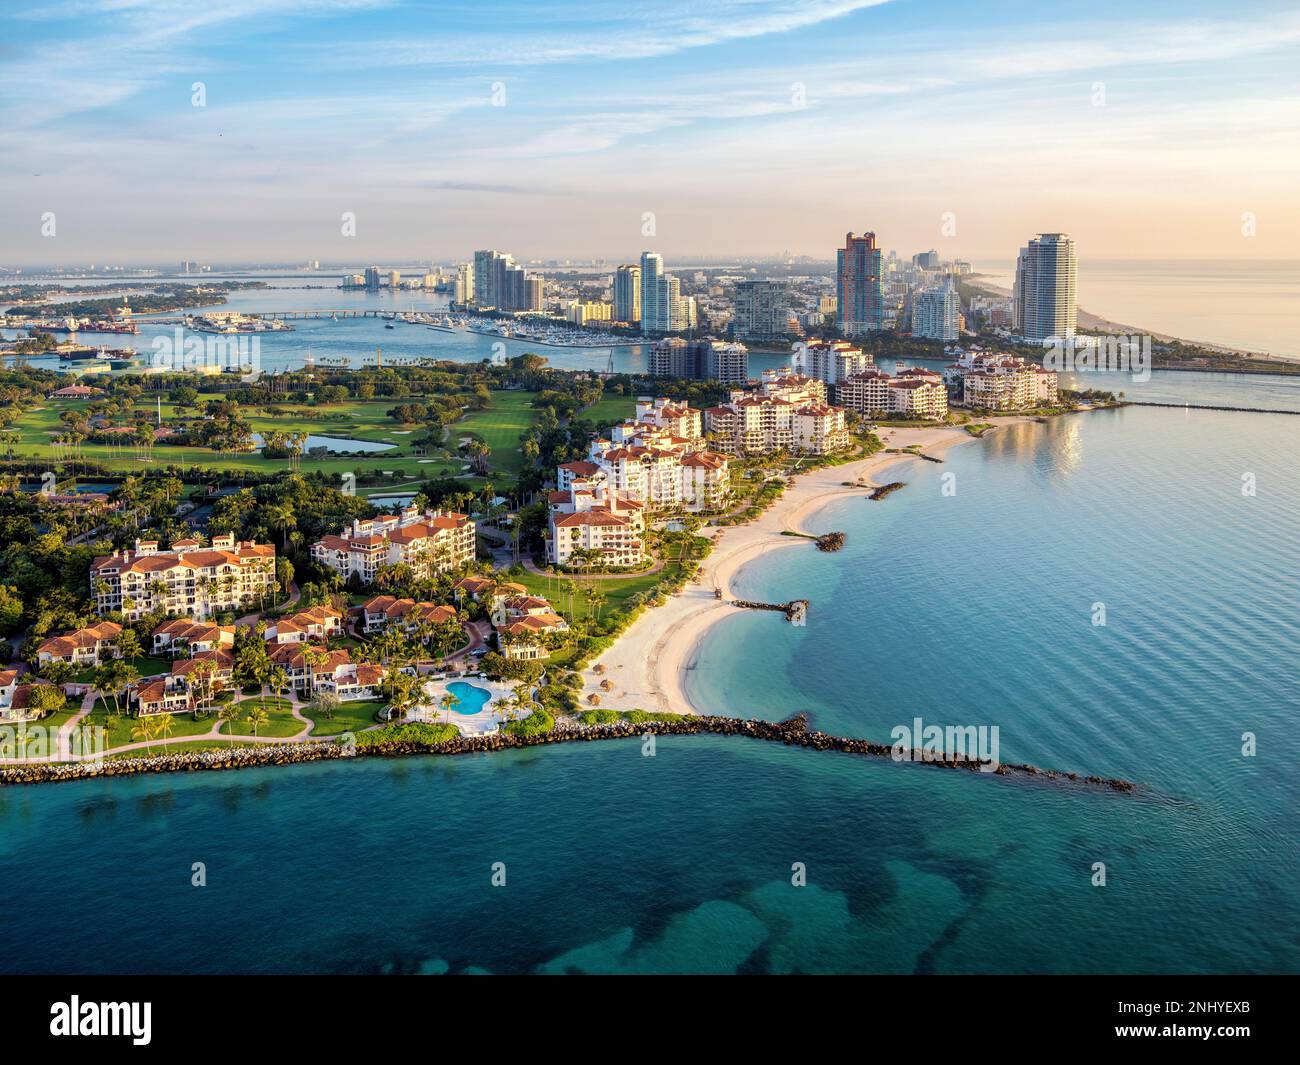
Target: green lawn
[[610, 408], [119, 733], [281, 721], [146, 665], [500, 428], [349, 717], [616, 592]]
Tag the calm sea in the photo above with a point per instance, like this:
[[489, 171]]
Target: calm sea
[[973, 608]]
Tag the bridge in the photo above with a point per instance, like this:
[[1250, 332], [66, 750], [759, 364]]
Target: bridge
[[285, 316]]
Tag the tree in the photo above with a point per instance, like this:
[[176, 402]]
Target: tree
[[45, 699], [257, 717], [11, 610], [129, 646], [448, 702], [229, 714]]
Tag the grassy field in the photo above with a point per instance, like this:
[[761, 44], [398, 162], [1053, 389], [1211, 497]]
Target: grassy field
[[610, 408], [500, 427], [616, 591], [281, 723], [366, 420], [349, 717], [146, 666]]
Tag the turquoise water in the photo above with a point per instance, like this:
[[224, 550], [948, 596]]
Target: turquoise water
[[472, 697], [974, 608]]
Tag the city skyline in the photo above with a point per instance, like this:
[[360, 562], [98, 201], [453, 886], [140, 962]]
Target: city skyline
[[744, 130]]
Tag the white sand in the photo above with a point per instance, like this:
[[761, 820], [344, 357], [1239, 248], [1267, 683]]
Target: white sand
[[647, 664]]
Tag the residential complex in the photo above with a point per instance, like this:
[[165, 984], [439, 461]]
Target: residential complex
[[497, 282], [913, 393], [936, 313], [188, 580], [663, 307], [627, 295], [522, 622], [784, 412], [762, 311], [658, 459], [699, 360], [831, 361], [429, 542], [1044, 292], [998, 381], [406, 615], [589, 521]]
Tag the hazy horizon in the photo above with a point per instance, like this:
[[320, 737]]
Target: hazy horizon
[[746, 128]]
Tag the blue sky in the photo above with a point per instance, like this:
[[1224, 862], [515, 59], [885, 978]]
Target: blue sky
[[744, 126]]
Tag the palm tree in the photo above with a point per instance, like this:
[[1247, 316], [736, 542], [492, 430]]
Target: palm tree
[[164, 726], [257, 717], [448, 702], [143, 732], [229, 714]]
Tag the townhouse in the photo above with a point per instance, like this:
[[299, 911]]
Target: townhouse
[[186, 636], [314, 623], [384, 612], [84, 647]]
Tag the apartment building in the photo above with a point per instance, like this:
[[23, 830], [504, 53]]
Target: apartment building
[[589, 518], [999, 381], [188, 580], [429, 543], [785, 412]]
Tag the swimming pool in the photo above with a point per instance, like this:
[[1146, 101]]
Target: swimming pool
[[472, 697]]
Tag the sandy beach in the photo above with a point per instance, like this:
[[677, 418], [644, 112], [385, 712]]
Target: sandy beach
[[648, 663]]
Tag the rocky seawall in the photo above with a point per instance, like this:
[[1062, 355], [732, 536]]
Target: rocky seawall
[[793, 733]]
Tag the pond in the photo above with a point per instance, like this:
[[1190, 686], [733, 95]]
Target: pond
[[340, 444]]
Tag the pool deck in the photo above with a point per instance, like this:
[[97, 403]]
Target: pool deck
[[485, 721]]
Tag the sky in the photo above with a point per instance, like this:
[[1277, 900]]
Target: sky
[[249, 130]]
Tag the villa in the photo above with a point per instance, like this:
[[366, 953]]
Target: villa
[[14, 696], [167, 695], [84, 647], [187, 636], [430, 543], [314, 623], [187, 580], [384, 611], [521, 621]]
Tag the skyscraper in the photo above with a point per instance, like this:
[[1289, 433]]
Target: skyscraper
[[499, 282], [858, 296], [1044, 293], [627, 294], [761, 310], [662, 308], [372, 278], [935, 313]]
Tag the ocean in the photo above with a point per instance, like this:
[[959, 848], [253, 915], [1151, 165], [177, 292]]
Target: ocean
[[1251, 304], [970, 608]]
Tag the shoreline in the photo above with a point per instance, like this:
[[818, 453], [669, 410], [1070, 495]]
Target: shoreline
[[649, 662]]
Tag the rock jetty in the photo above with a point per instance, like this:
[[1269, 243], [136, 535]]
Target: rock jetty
[[792, 733]]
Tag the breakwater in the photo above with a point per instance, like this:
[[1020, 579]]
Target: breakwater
[[1206, 406], [793, 732], [884, 489]]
